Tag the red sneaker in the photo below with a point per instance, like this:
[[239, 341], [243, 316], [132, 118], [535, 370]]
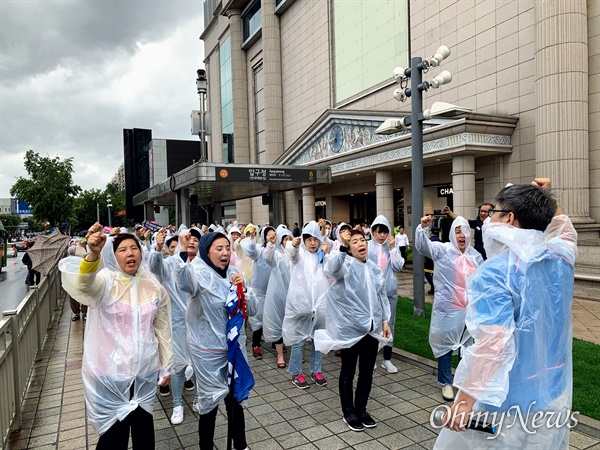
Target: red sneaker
[[319, 379]]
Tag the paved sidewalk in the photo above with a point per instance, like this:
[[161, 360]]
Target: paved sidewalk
[[278, 415]]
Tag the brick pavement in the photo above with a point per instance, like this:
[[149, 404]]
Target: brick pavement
[[278, 415]]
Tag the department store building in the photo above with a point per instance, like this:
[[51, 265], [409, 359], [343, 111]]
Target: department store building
[[307, 82]]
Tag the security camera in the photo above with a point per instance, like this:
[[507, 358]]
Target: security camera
[[400, 95], [442, 53], [443, 78], [392, 126], [399, 74]]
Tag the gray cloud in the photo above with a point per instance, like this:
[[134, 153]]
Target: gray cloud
[[74, 74]]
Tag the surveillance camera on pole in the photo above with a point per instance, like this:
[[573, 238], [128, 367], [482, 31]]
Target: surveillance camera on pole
[[442, 53]]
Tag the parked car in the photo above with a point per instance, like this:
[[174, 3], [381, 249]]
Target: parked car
[[12, 250], [22, 246]]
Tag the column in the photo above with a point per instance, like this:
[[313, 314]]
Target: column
[[183, 206], [273, 109], [384, 192], [239, 80], [308, 205], [241, 132], [463, 185], [561, 141], [243, 210]]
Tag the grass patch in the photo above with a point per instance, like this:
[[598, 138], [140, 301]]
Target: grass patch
[[413, 336]]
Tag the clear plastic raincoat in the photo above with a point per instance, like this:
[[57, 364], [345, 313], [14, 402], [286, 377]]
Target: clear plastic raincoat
[[261, 271], [452, 267], [306, 302], [206, 321], [127, 338], [277, 288], [163, 269], [357, 303], [519, 313], [337, 243], [390, 262]]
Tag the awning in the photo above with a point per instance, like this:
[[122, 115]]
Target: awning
[[219, 183]]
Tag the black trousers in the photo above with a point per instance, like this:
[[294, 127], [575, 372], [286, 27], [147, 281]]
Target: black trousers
[[206, 427], [365, 352], [256, 335], [141, 424]]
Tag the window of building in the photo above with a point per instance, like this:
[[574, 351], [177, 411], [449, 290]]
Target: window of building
[[251, 20], [370, 39], [226, 101]]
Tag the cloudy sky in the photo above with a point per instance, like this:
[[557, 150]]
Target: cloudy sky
[[74, 73]]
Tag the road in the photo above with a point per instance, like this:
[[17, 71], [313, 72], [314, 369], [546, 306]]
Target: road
[[12, 283]]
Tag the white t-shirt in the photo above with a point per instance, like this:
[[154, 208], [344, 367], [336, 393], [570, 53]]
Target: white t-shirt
[[401, 240]]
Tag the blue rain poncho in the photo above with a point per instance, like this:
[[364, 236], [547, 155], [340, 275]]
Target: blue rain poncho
[[261, 271], [277, 288], [306, 301], [519, 314], [452, 267], [206, 321], [357, 303], [127, 336]]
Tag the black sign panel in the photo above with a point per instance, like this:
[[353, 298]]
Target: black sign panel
[[264, 174], [444, 191]]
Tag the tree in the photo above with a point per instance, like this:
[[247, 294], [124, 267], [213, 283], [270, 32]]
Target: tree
[[49, 188], [84, 209]]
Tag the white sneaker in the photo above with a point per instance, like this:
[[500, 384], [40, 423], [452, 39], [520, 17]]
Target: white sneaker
[[387, 365], [447, 392], [196, 407], [177, 416]]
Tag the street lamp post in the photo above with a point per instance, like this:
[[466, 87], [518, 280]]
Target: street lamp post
[[414, 73], [109, 205], [201, 86], [98, 209]]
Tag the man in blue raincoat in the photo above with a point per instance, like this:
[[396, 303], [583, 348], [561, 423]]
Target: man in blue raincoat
[[519, 314]]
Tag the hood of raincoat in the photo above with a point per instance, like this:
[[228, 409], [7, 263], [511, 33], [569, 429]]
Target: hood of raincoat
[[339, 228], [381, 220], [170, 238], [263, 234], [281, 233], [205, 243], [461, 222], [311, 229], [248, 228], [527, 244], [109, 260]]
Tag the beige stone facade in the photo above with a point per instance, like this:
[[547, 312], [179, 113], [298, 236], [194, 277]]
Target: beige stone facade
[[529, 71]]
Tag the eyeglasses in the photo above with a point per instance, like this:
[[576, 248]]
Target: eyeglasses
[[491, 212]]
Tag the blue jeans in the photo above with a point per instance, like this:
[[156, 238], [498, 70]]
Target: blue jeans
[[295, 365], [177, 380], [445, 369]]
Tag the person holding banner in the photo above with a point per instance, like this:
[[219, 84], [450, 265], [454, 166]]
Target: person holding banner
[[216, 336]]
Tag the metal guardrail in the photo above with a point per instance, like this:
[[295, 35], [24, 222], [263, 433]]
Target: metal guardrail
[[22, 334]]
